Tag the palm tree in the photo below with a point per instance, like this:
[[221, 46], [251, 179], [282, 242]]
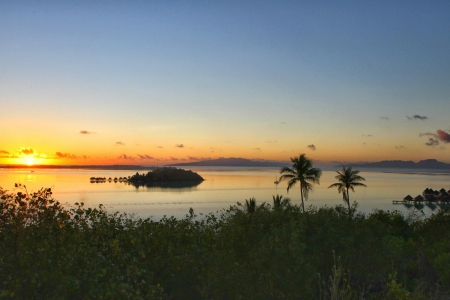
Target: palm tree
[[348, 179], [250, 205], [301, 171], [280, 203]]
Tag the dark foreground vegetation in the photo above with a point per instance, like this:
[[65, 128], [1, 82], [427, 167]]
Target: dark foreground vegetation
[[49, 251]]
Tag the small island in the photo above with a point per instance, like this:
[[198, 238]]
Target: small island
[[166, 176]]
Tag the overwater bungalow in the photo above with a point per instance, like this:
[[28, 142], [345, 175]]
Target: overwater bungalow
[[419, 199], [408, 199]]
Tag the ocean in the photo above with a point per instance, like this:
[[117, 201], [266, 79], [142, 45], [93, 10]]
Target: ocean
[[223, 187]]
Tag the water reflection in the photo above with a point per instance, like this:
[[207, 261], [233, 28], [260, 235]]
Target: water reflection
[[220, 189], [185, 185]]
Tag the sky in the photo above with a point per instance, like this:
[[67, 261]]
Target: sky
[[159, 82]]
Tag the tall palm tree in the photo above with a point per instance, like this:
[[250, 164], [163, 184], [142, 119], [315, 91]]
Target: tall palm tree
[[301, 171], [348, 180]]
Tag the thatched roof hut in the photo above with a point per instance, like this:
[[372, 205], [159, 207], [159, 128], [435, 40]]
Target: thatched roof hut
[[408, 198], [418, 198]]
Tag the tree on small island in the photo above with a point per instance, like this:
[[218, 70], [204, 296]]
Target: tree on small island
[[166, 174]]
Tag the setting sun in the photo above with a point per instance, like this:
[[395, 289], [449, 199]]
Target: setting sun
[[29, 161]]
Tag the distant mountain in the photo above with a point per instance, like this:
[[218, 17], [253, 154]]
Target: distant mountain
[[400, 164], [231, 162]]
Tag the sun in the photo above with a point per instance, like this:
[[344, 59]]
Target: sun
[[30, 161]]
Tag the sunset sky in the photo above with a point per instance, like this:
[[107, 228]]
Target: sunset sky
[[157, 82]]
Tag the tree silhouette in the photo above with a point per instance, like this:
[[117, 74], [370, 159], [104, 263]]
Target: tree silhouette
[[348, 179], [280, 203], [301, 171], [250, 205]]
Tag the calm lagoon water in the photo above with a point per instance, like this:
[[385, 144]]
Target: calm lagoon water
[[222, 187]]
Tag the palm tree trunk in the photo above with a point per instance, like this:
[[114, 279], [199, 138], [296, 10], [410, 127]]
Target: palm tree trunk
[[348, 205], [301, 194]]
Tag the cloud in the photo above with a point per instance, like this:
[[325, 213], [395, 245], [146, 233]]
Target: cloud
[[119, 144], [4, 152], [417, 117], [159, 147], [270, 142], [85, 132], [384, 118], [124, 156], [399, 147], [257, 149], [26, 151], [145, 156], [439, 136], [443, 136], [179, 145], [427, 133], [367, 135], [312, 147], [65, 155], [432, 142], [173, 158]]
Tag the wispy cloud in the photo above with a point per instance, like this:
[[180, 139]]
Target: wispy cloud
[[312, 147], [257, 149], [179, 145], [432, 142], [145, 156], [119, 144], [367, 135], [384, 118], [126, 157], [270, 142], [85, 132], [399, 147], [26, 151], [65, 155], [4, 152], [427, 133], [417, 117], [160, 147]]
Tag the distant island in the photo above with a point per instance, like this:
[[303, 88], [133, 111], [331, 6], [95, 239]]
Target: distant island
[[400, 164], [166, 177], [232, 162]]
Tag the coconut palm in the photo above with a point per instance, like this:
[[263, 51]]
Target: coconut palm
[[250, 205], [280, 203], [301, 171], [348, 180]]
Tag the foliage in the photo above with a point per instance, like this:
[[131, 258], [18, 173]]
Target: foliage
[[53, 251], [301, 171]]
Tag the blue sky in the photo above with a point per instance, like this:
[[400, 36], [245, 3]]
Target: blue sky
[[249, 79]]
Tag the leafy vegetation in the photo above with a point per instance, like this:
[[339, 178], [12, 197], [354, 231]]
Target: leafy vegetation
[[50, 251]]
